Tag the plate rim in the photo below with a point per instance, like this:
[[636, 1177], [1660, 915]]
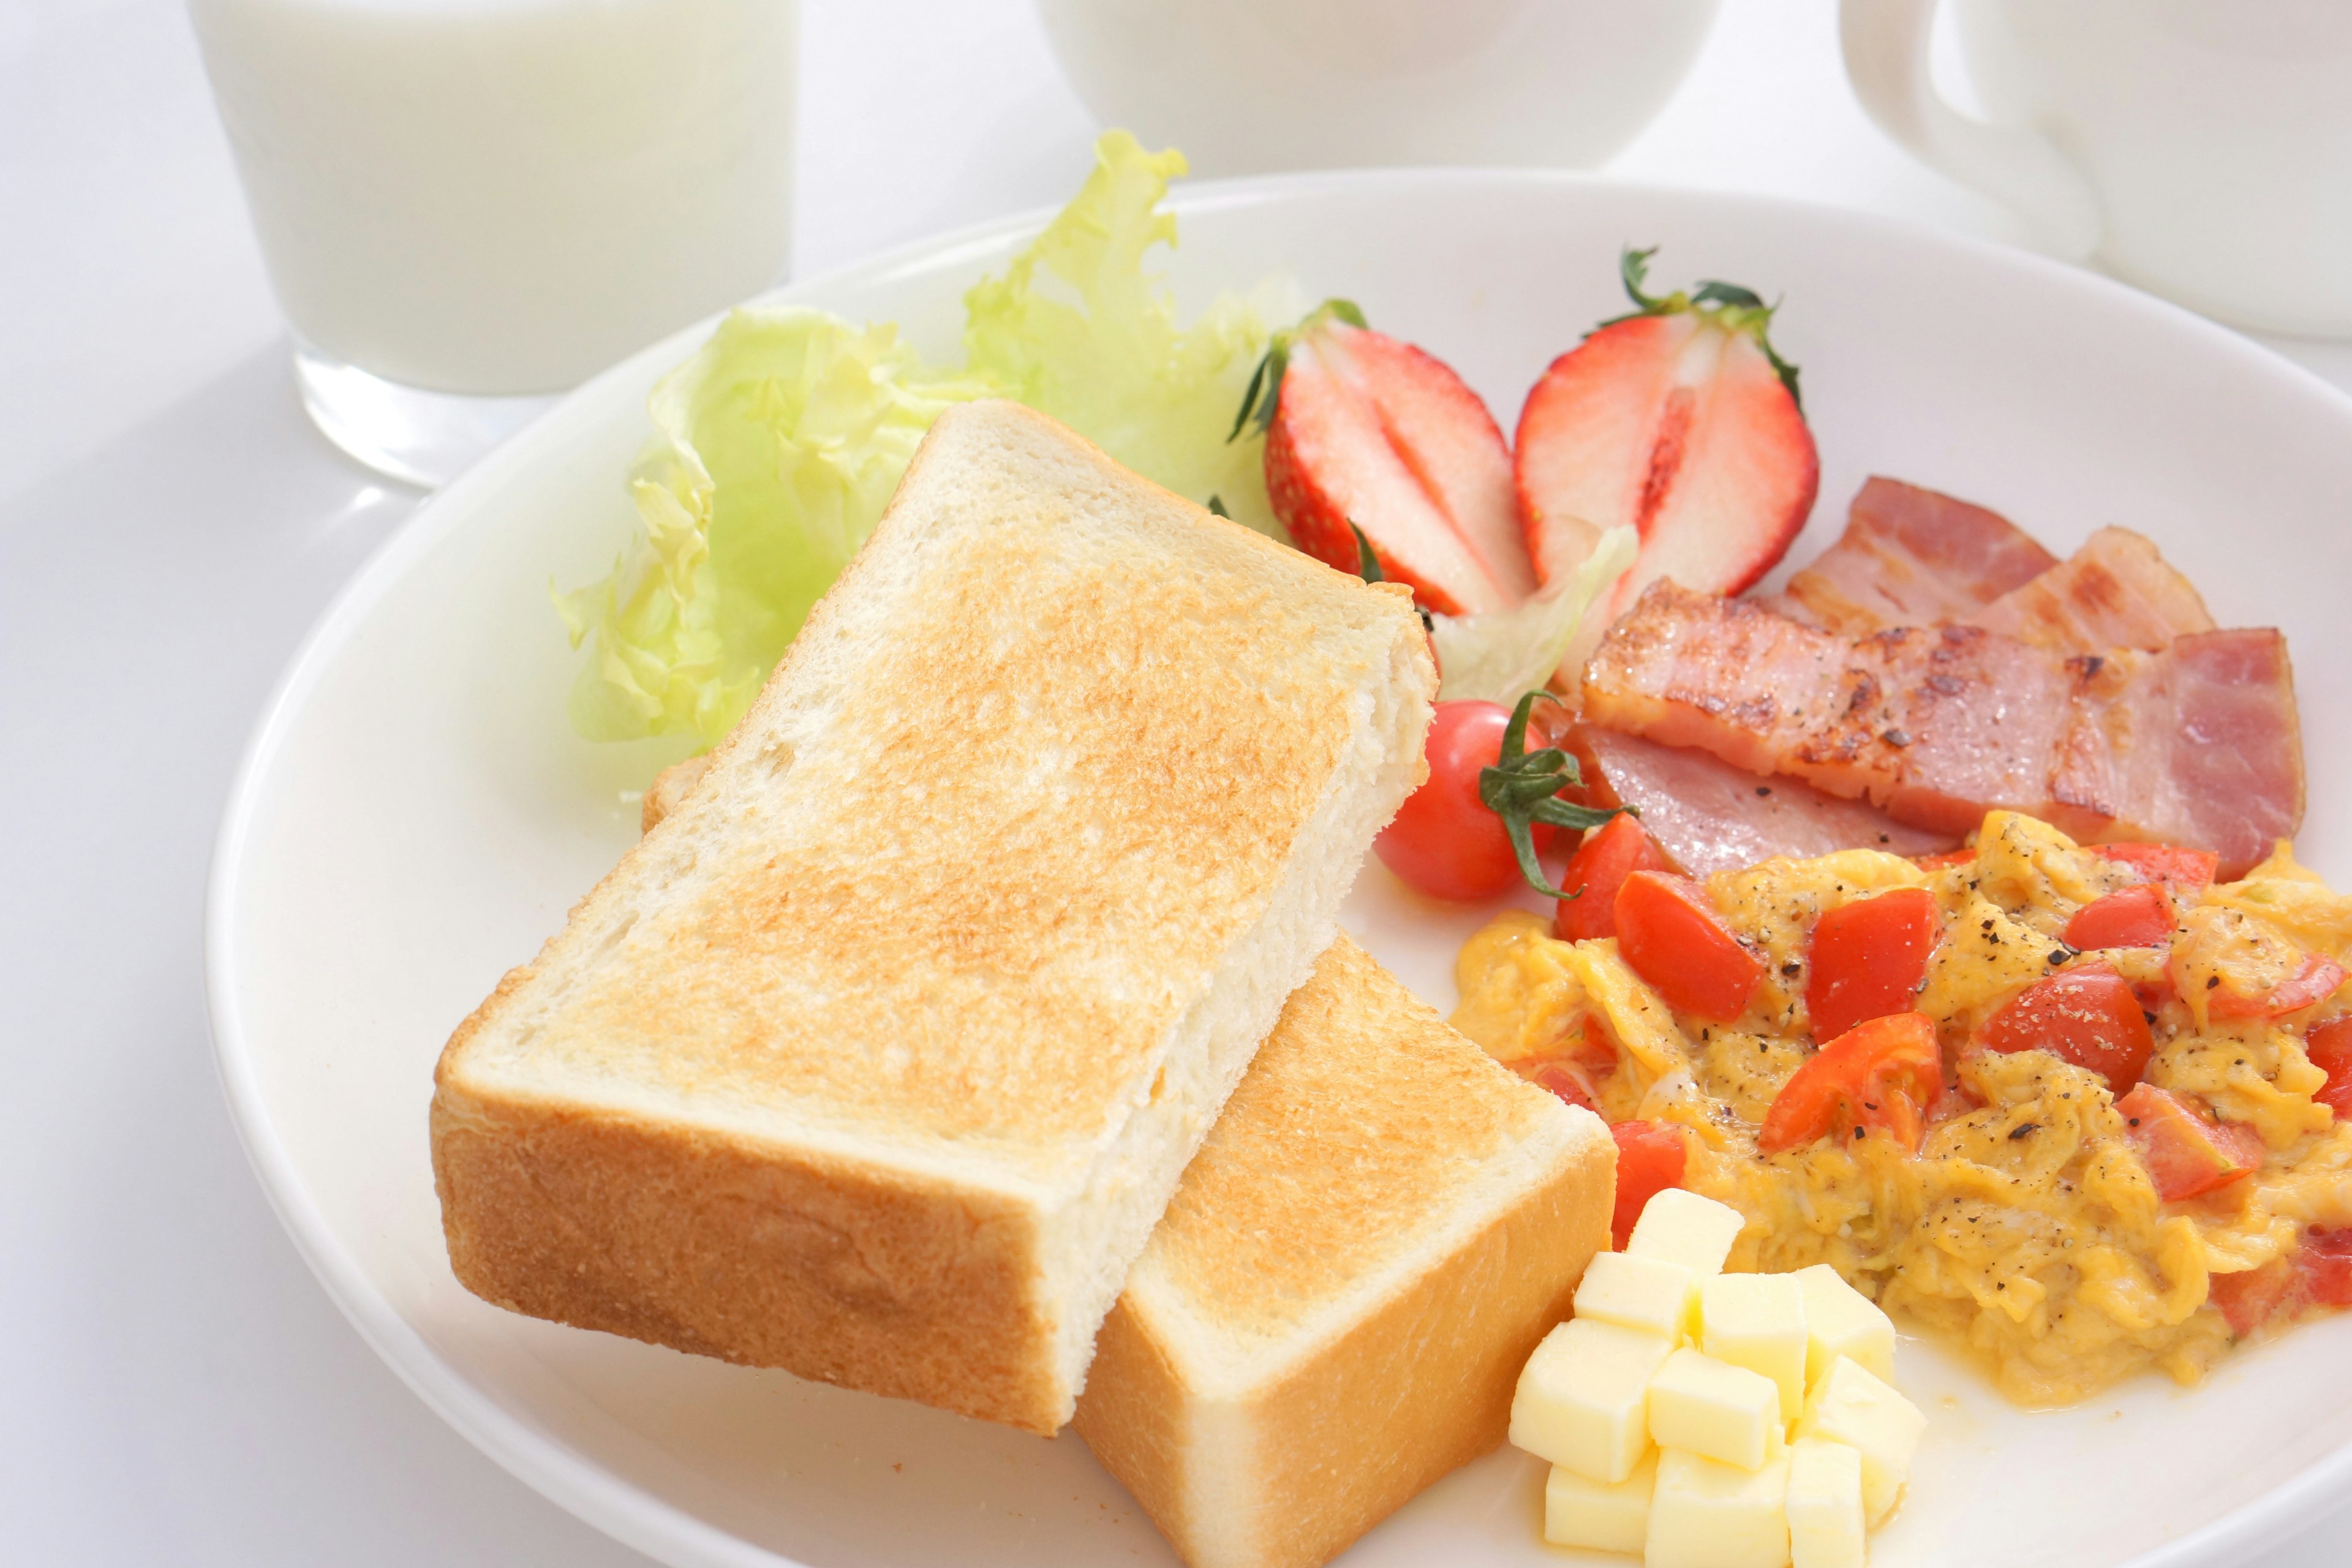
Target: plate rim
[[620, 1508]]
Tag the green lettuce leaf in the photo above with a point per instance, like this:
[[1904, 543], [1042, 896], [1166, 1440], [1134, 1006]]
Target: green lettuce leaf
[[1501, 654], [778, 444], [776, 448], [1077, 328]]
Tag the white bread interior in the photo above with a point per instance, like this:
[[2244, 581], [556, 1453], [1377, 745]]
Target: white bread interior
[[880, 1055], [1335, 1309]]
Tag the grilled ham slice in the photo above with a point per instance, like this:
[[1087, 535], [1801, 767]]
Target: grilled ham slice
[[1938, 724], [1911, 557], [1710, 816], [2117, 590]]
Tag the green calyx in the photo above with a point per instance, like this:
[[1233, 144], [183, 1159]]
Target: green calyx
[[1264, 394], [1733, 308], [1522, 788]]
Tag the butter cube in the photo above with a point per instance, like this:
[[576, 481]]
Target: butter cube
[[1758, 1321], [1682, 1227], [1840, 1321], [1825, 1528], [1706, 1514], [1582, 1399], [1725, 1412], [1583, 1512], [1646, 1293], [1849, 1405]]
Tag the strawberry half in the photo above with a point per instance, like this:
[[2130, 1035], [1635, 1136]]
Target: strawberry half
[[1364, 430], [1679, 421]]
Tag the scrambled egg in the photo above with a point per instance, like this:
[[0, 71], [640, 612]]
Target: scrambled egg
[[2027, 1228]]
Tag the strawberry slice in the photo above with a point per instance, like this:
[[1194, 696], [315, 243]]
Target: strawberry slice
[[1363, 429], [1680, 421]]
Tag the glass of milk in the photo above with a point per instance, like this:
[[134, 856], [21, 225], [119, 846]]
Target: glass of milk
[[469, 205]]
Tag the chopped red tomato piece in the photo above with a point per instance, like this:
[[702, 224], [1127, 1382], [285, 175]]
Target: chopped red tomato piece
[[1669, 931], [2324, 1264], [1651, 1157], [2316, 982], [2088, 1014], [2188, 1152], [1949, 857], [2254, 1297], [1563, 1081], [2137, 916], [1868, 959], [1879, 1074], [2186, 869], [2329, 1046], [1609, 853], [2318, 1272]]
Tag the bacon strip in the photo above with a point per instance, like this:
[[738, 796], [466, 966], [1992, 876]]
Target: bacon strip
[[1938, 724], [2199, 744], [2117, 590], [1710, 816], [1912, 556]]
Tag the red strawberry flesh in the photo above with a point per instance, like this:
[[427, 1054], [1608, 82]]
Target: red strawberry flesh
[[1375, 433]]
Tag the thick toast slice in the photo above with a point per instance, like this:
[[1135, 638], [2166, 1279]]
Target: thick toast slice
[[878, 1059], [1335, 1309]]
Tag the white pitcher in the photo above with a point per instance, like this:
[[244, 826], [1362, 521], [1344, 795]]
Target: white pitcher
[[2201, 149]]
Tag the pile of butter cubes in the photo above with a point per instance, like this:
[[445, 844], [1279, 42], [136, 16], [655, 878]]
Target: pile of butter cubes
[[1713, 1420]]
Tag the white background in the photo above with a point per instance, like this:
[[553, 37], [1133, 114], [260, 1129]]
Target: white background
[[173, 1387]]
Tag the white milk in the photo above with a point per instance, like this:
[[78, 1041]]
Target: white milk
[[499, 197]]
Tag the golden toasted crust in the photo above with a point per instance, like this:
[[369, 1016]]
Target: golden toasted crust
[[1335, 1309], [948, 928], [669, 789]]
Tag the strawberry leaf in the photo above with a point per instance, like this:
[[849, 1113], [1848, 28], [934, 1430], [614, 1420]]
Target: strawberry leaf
[[1522, 788], [1264, 394], [1367, 565], [1733, 306]]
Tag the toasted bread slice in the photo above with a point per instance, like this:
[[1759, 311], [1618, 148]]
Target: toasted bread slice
[[1334, 1310], [879, 1057]]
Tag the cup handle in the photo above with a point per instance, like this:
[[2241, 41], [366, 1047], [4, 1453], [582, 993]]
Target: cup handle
[[1886, 56]]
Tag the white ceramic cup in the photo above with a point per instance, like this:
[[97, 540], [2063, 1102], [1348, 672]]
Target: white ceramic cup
[[2201, 149], [1244, 86]]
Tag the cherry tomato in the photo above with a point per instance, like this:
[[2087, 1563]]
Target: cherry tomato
[[2329, 1046], [2186, 869], [1877, 1075], [2139, 916], [1609, 853], [1868, 959], [1443, 840], [2088, 1016], [2188, 1152], [1651, 1157]]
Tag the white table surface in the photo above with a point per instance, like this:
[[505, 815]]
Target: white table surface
[[173, 1386]]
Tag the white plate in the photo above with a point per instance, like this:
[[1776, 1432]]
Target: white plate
[[414, 817]]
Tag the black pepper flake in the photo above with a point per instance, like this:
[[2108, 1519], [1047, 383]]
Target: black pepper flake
[[2023, 1130], [1896, 737], [1882, 838], [2149, 1015], [1762, 789], [2211, 980], [1792, 967]]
